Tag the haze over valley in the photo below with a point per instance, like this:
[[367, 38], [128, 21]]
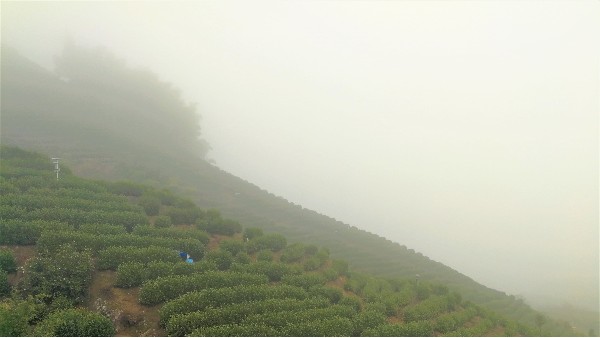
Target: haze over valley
[[467, 131]]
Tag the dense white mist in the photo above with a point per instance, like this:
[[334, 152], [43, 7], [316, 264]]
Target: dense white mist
[[465, 130]]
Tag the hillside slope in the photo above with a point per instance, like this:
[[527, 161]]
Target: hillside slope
[[62, 122], [106, 259]]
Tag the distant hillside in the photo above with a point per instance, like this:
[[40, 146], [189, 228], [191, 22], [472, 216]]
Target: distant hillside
[[92, 258], [101, 133]]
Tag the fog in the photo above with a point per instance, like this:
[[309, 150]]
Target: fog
[[467, 131]]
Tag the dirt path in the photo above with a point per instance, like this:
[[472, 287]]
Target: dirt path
[[130, 318]]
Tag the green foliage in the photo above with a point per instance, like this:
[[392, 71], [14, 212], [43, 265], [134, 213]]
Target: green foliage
[[264, 255], [200, 300], [39, 199], [184, 215], [281, 319], [340, 266], [132, 274], [312, 264], [184, 324], [334, 295], [4, 285], [452, 321], [427, 309], [150, 231], [414, 329], [305, 281], [292, 253], [66, 273], [76, 217], [233, 246], [213, 223], [236, 330], [126, 188], [170, 287], [163, 221], [102, 229], [242, 258], [273, 270], [75, 323], [367, 320], [112, 257], [22, 232], [17, 315], [221, 258], [333, 327], [50, 241], [150, 204], [273, 242], [7, 261], [251, 233], [311, 249], [352, 301]]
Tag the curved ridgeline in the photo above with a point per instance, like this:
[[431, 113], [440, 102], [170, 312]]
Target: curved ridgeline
[[101, 143], [193, 272]]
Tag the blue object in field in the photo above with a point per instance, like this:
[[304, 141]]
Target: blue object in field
[[183, 255], [189, 260]]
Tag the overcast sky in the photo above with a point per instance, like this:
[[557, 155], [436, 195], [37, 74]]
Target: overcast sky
[[465, 130]]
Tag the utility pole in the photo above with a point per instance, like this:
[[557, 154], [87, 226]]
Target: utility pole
[[56, 167]]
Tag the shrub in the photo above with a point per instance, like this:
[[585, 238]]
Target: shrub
[[222, 259], [332, 327], [340, 266], [170, 287], [311, 249], [352, 301], [126, 188], [264, 255], [232, 245], [149, 231], [16, 315], [292, 253], [183, 324], [50, 241], [427, 309], [334, 295], [242, 258], [7, 261], [200, 300], [102, 229], [4, 286], [112, 257], [312, 264], [367, 320], [280, 319], [414, 329], [22, 232], [273, 270], [305, 281], [251, 233], [130, 274], [236, 330], [184, 215], [219, 226], [163, 221], [273, 242], [75, 323], [65, 273], [150, 204]]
